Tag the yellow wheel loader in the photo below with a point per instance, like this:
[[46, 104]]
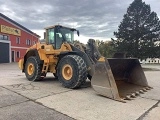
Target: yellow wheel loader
[[72, 63]]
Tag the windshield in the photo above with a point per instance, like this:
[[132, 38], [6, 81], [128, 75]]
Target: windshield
[[67, 34]]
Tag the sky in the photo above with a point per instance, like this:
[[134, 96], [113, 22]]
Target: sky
[[96, 19]]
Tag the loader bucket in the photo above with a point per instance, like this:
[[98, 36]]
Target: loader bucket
[[119, 78]]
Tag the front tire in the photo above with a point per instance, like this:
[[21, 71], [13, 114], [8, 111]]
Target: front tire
[[72, 71], [33, 69]]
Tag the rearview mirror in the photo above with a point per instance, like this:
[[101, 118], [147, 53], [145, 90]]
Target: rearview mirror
[[44, 35], [78, 32]]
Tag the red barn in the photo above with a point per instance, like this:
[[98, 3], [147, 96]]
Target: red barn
[[14, 40]]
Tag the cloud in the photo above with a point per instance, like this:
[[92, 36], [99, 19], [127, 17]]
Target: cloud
[[94, 18]]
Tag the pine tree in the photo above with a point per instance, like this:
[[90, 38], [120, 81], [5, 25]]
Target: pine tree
[[138, 31]]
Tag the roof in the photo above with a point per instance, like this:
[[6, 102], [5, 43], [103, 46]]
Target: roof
[[12, 21], [57, 26]]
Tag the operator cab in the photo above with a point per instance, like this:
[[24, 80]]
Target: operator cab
[[56, 35]]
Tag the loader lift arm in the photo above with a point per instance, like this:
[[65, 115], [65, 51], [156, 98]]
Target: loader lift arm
[[118, 78]]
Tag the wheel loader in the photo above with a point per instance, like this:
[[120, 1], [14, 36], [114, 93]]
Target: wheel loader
[[118, 78]]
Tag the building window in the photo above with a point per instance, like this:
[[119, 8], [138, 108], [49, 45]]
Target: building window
[[18, 40], [18, 54], [4, 37], [1, 36], [28, 42], [34, 42]]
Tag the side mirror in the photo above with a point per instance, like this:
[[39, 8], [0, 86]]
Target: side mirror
[[78, 32], [44, 35]]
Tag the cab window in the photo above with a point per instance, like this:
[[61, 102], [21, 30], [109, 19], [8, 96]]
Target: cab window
[[51, 37], [68, 37], [59, 40], [68, 34]]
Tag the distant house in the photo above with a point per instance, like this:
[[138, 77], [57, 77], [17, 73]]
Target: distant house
[[157, 43], [14, 40], [150, 60]]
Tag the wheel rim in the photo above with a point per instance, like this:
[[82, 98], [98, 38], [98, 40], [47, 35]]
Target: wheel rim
[[67, 72], [30, 69]]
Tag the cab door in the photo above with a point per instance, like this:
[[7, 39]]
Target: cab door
[[55, 38]]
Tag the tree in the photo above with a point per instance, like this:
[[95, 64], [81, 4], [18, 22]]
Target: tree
[[105, 48], [138, 31]]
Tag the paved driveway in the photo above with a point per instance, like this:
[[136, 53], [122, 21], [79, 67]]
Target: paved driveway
[[47, 99]]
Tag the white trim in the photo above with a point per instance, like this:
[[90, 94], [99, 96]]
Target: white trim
[[19, 47], [5, 41]]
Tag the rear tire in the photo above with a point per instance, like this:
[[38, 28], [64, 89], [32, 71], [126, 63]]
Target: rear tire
[[33, 69], [72, 71]]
